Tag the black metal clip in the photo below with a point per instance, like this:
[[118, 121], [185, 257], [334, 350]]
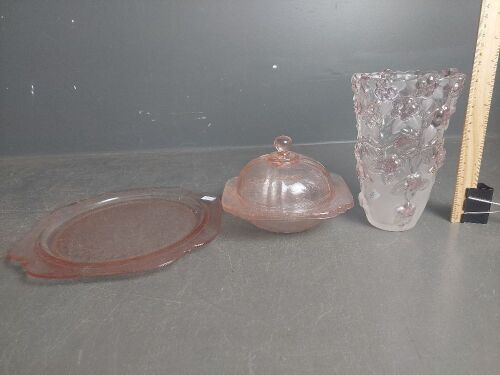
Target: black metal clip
[[477, 204]]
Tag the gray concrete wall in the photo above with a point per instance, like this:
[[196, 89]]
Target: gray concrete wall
[[83, 76]]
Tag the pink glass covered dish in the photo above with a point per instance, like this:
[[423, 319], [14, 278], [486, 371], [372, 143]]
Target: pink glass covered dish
[[286, 192], [118, 233]]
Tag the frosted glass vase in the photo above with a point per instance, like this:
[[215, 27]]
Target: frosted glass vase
[[401, 119]]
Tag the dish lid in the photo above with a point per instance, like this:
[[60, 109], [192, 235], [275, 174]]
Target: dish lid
[[118, 233], [286, 183]]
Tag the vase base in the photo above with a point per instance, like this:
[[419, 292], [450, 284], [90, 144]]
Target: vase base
[[383, 226], [390, 228]]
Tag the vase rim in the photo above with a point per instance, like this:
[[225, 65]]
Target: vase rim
[[408, 75]]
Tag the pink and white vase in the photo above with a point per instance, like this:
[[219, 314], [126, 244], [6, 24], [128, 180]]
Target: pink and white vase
[[401, 118]]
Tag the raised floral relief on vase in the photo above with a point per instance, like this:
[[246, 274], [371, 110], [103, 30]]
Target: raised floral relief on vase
[[401, 120]]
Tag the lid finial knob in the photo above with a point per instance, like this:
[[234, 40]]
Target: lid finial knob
[[283, 143]]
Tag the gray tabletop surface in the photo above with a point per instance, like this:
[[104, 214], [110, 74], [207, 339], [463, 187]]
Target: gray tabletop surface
[[343, 298]]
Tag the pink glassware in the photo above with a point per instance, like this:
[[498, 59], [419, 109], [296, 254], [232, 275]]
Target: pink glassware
[[286, 192], [118, 233], [401, 120]]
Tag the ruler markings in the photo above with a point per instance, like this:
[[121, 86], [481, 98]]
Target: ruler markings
[[479, 103]]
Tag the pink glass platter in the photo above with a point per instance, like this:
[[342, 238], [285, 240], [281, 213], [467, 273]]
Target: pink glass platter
[[118, 233]]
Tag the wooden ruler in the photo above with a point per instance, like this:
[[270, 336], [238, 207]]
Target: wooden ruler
[[478, 106]]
